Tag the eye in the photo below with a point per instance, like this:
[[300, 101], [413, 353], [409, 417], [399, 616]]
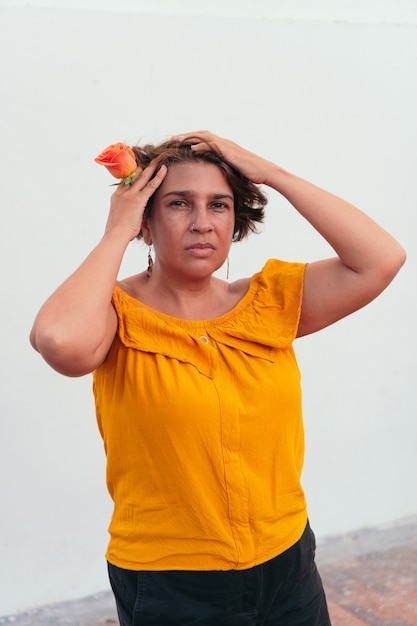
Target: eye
[[219, 206], [179, 203]]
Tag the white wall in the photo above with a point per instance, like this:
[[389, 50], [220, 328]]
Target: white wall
[[331, 95]]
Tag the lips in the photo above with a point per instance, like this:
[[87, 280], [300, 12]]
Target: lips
[[201, 249], [201, 246]]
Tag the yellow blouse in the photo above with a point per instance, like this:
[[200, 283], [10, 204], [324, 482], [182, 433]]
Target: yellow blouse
[[202, 428]]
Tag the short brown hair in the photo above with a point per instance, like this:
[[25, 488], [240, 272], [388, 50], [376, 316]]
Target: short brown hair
[[249, 201]]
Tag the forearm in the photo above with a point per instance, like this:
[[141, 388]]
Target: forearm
[[74, 327], [358, 241]]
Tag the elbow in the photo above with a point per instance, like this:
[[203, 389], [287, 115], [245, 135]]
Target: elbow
[[388, 267], [32, 339], [402, 256], [64, 355], [394, 262]]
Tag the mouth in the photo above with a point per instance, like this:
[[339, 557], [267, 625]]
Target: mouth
[[200, 249], [201, 246]]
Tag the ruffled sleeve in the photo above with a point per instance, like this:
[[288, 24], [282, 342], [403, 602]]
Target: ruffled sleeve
[[273, 311]]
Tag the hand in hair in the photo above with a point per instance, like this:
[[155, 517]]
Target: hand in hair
[[249, 164]]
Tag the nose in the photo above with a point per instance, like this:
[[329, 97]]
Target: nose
[[195, 228], [201, 223]]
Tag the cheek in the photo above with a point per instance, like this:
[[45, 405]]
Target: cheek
[[170, 231]]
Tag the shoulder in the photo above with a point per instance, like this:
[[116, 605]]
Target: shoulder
[[269, 312], [277, 268], [239, 287], [274, 274], [133, 285], [275, 277], [278, 289]]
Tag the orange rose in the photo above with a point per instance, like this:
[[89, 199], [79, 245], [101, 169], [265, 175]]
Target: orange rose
[[120, 161]]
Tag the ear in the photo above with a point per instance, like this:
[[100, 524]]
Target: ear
[[146, 232]]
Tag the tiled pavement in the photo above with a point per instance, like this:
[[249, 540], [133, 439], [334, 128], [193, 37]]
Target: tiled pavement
[[376, 589], [370, 579]]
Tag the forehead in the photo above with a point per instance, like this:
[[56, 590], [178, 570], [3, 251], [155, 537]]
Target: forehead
[[195, 175]]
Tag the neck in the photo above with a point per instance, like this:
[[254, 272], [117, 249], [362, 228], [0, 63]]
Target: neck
[[188, 298]]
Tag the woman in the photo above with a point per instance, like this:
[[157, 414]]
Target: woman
[[197, 388]]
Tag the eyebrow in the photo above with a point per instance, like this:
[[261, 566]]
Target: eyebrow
[[185, 192]]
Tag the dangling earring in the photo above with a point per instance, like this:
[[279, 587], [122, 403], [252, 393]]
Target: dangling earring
[[227, 268], [150, 263]]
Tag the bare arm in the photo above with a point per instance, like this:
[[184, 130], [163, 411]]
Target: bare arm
[[367, 258], [75, 327]]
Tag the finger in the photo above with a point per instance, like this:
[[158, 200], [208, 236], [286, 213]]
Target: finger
[[184, 136], [201, 141], [158, 178], [207, 145], [144, 175], [194, 137], [142, 179], [152, 185]]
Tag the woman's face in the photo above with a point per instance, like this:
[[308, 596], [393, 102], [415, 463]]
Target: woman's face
[[192, 195]]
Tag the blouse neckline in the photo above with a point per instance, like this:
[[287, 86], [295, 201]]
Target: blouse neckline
[[213, 321]]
